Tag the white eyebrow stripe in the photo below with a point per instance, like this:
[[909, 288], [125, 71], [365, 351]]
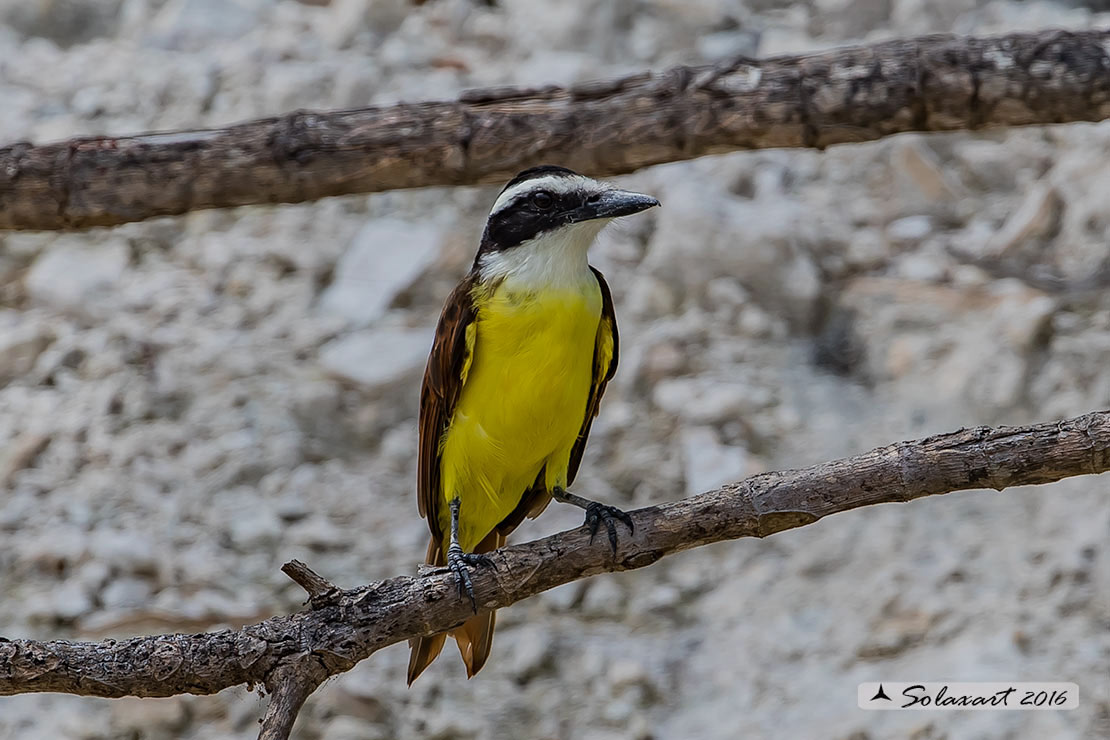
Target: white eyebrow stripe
[[558, 184]]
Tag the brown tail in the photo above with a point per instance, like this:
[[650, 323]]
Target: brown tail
[[474, 637]]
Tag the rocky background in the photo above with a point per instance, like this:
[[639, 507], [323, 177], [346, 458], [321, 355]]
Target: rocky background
[[187, 403]]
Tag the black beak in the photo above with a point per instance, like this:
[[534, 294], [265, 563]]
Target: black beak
[[612, 204]]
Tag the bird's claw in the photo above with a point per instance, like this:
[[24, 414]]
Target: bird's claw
[[460, 563], [597, 513]]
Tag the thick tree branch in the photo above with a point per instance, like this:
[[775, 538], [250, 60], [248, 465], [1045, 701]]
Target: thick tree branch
[[292, 655], [934, 83]]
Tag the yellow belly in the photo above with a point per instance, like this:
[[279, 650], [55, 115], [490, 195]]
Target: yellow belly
[[522, 405]]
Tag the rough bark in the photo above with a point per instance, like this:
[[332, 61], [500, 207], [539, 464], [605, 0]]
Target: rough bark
[[933, 83], [292, 655]]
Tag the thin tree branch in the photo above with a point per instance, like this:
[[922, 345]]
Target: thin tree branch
[[853, 94], [292, 655], [321, 591], [289, 686]]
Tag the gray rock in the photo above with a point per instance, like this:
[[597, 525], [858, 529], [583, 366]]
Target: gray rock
[[125, 593], [763, 243], [972, 343], [76, 278], [386, 256], [604, 598], [65, 22], [1035, 216], [724, 46], [708, 463], [910, 229], [70, 601], [532, 654], [20, 454], [292, 507], [193, 24], [352, 728], [93, 575], [157, 718], [850, 18], [378, 358], [921, 170], [565, 597], [126, 551], [708, 400], [923, 265], [348, 18], [255, 528], [318, 533]]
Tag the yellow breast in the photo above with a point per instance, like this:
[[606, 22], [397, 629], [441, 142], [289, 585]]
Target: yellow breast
[[523, 401]]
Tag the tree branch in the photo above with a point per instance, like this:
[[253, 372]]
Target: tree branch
[[292, 655], [289, 686], [933, 83]]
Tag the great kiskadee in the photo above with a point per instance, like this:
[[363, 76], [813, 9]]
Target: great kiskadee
[[523, 350]]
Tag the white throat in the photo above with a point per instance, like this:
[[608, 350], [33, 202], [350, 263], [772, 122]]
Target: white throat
[[555, 259]]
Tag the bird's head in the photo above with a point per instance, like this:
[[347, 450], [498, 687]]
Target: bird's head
[[551, 213]]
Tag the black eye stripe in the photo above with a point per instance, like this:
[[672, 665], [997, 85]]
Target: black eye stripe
[[523, 219], [559, 202]]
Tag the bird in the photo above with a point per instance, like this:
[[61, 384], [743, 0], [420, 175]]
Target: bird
[[523, 350]]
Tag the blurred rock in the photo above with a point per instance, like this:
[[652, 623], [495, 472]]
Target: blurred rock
[[896, 632], [851, 18], [385, 258], [922, 170], [651, 298], [923, 265], [158, 719], [706, 400], [761, 243], [378, 358], [565, 597], [359, 695], [318, 533], [909, 229], [68, 601], [1036, 216], [922, 16], [21, 343], [972, 344], [126, 551], [65, 22], [20, 454], [708, 463], [985, 164], [724, 46], [192, 24], [76, 278], [255, 529], [349, 17], [351, 728], [604, 598], [533, 653], [125, 593]]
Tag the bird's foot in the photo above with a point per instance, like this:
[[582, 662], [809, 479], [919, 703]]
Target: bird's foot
[[596, 514], [460, 563]]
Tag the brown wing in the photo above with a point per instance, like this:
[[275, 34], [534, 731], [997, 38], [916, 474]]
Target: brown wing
[[606, 351], [606, 354], [443, 381]]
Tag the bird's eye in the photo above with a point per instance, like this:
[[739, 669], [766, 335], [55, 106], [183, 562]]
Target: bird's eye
[[542, 200]]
